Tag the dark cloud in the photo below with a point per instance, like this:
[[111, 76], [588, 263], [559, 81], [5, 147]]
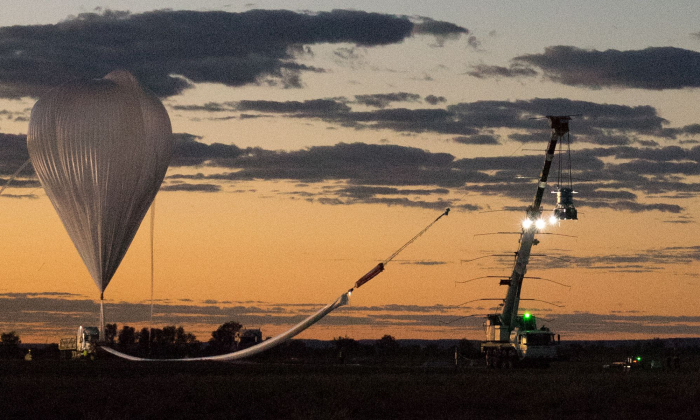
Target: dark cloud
[[653, 68], [435, 27], [375, 173], [363, 164], [477, 139], [208, 107], [473, 42], [361, 191], [647, 143], [603, 124], [402, 202], [483, 71], [13, 153], [630, 323], [313, 107], [593, 116], [21, 196], [191, 187], [189, 151], [625, 171], [382, 100], [691, 129], [233, 49], [407, 120], [434, 100], [16, 116], [56, 315], [645, 260], [632, 206]]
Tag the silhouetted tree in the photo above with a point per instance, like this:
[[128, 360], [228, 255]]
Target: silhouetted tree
[[183, 338], [10, 339], [144, 340], [9, 345], [167, 336], [127, 336], [156, 337], [110, 333], [387, 346], [223, 339]]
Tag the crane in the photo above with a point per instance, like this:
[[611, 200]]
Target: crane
[[513, 338]]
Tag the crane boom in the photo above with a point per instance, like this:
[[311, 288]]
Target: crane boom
[[560, 127], [513, 339]]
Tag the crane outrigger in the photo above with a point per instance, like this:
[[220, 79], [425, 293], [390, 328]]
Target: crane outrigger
[[513, 338]]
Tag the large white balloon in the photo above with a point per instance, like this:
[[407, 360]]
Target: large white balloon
[[101, 149]]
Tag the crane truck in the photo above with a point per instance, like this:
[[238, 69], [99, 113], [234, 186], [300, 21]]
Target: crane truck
[[82, 345], [511, 338]]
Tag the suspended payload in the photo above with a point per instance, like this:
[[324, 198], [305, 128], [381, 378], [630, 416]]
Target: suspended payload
[[101, 149], [565, 209]]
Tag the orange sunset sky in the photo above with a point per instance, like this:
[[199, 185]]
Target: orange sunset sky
[[314, 139]]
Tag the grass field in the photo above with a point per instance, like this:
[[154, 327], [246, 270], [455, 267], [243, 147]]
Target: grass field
[[113, 389]]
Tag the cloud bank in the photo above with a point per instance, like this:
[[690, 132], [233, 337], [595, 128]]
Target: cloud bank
[[654, 68], [168, 50], [58, 314], [616, 173]]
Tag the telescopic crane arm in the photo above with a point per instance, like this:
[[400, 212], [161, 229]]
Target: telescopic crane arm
[[560, 127]]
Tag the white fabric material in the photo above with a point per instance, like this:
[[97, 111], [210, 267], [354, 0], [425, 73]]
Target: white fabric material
[[101, 149], [258, 348]]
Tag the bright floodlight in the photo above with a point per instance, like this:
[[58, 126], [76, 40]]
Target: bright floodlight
[[527, 223], [540, 224], [553, 220]]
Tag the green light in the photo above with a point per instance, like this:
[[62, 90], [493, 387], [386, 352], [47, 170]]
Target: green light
[[639, 359], [527, 315]]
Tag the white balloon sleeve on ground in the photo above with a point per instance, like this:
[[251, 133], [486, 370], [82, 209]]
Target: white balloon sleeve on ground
[[258, 348]]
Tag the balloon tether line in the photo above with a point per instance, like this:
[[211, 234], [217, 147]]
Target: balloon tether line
[[14, 175], [398, 251], [380, 267], [153, 220], [102, 316]]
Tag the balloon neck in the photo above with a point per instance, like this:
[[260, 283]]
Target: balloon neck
[[102, 295]]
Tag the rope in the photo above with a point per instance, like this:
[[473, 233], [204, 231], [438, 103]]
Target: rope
[[561, 159], [153, 221], [14, 175], [568, 142], [398, 251]]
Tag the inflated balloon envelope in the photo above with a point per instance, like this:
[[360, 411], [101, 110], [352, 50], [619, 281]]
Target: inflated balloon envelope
[[101, 149]]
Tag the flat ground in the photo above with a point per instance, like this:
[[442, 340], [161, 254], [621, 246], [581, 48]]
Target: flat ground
[[115, 389]]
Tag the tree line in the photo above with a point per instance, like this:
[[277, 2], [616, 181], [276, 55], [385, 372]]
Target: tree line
[[175, 342]]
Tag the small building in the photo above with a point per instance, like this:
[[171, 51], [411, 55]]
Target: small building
[[248, 337]]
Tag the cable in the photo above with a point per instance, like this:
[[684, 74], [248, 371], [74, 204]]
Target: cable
[[14, 175], [398, 251]]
